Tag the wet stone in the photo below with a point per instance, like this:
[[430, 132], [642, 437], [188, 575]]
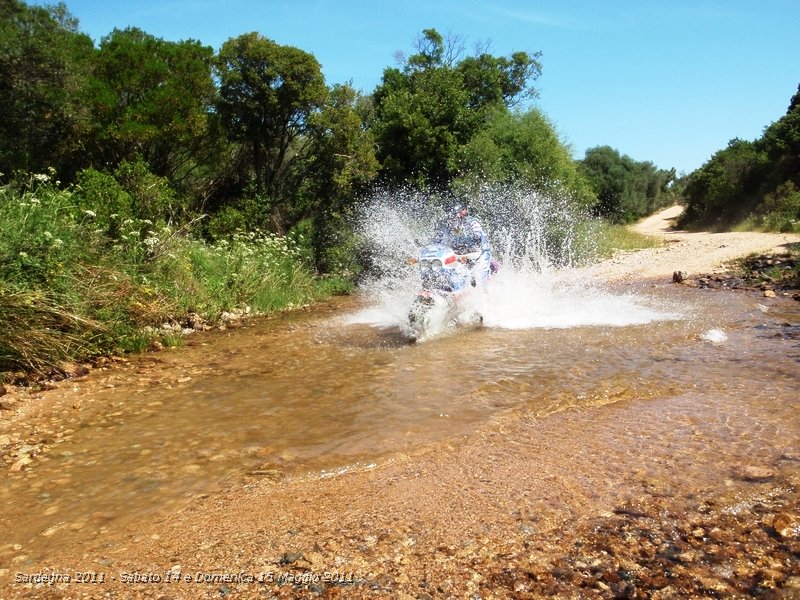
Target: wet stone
[[786, 525], [754, 473], [792, 583], [21, 463]]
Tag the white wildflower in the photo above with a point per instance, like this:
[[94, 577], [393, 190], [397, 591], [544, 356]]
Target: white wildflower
[[23, 255], [48, 235], [41, 177], [90, 213], [57, 243]]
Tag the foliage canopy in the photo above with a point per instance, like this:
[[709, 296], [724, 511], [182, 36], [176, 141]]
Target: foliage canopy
[[758, 181], [253, 137], [432, 106], [625, 189]]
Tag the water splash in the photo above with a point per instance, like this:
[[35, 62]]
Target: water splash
[[539, 239], [715, 336]]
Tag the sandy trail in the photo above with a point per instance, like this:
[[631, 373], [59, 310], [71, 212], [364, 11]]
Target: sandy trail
[[689, 252]]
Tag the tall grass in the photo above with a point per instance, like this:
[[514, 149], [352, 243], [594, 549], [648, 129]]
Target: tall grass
[[71, 287], [611, 237]]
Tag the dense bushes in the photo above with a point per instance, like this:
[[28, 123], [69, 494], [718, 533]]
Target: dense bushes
[[752, 184], [625, 189], [523, 148], [73, 285]]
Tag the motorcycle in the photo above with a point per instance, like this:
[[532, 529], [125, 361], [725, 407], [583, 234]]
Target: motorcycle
[[446, 281]]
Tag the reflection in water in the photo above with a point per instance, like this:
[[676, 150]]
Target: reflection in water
[[315, 393]]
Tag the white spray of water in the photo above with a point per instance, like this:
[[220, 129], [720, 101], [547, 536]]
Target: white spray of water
[[538, 239], [715, 336]]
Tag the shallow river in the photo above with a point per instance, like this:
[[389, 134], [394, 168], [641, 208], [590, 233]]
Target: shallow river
[[319, 392]]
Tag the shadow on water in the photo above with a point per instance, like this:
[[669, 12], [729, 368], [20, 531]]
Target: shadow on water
[[364, 337]]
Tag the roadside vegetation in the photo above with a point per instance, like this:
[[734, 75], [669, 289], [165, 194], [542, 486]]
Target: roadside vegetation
[[74, 284], [612, 237], [750, 185]]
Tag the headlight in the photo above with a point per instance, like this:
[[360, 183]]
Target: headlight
[[436, 265]]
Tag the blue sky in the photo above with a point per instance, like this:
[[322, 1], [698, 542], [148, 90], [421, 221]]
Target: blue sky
[[666, 81]]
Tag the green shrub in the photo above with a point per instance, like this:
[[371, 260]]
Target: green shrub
[[41, 237], [782, 209], [153, 198], [100, 194], [224, 223], [70, 288]]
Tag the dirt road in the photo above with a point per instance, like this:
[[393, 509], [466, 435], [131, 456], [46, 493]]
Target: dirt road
[[689, 252]]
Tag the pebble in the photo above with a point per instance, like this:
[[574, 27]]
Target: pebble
[[754, 473], [787, 526], [26, 449], [792, 583], [23, 462], [50, 531]]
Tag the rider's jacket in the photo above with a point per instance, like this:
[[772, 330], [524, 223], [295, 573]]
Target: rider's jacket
[[464, 237]]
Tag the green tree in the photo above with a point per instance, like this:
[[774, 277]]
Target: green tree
[[725, 188], [341, 158], [341, 165], [43, 65], [268, 94], [755, 181], [781, 143], [427, 110], [626, 189], [523, 147], [152, 99]]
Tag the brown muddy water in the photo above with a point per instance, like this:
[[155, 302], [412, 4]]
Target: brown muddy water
[[307, 395]]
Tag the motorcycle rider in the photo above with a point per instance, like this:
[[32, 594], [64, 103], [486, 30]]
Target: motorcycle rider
[[465, 235]]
